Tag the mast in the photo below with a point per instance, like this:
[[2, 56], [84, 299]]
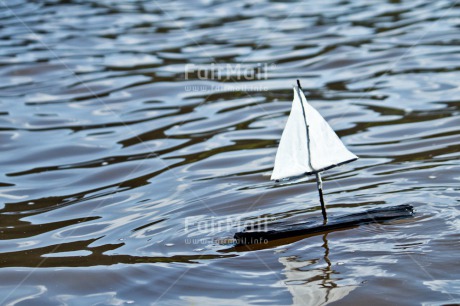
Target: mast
[[319, 186], [319, 182]]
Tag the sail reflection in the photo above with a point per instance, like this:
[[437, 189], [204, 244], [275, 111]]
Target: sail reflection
[[310, 285]]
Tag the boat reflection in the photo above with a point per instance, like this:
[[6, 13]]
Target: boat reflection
[[310, 285]]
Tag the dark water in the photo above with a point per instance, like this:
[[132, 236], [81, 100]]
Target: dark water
[[114, 157]]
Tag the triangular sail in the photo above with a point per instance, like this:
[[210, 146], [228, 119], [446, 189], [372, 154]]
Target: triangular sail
[[305, 150]]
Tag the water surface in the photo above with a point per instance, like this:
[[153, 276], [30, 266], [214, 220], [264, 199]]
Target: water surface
[[119, 169]]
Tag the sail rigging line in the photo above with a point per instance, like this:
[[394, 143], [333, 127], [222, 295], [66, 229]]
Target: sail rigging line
[[306, 124], [319, 182]]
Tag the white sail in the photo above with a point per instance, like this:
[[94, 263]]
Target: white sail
[[305, 150]]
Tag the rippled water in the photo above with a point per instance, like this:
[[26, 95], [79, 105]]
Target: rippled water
[[115, 157]]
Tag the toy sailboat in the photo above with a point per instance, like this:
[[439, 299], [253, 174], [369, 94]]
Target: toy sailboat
[[309, 146]]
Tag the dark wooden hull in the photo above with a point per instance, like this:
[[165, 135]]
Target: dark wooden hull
[[282, 230]]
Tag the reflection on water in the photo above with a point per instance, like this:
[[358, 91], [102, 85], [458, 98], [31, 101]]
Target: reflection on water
[[314, 286], [110, 144]]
